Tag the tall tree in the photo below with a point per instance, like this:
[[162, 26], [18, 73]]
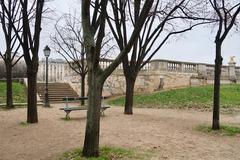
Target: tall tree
[[94, 20], [10, 57], [68, 42], [226, 11], [166, 19], [31, 27]]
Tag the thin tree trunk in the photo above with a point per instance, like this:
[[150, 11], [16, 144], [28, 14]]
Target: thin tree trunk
[[83, 75], [91, 142], [83, 89], [130, 83], [216, 98], [9, 99], [32, 115]]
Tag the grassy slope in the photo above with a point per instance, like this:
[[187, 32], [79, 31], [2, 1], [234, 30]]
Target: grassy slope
[[19, 95], [187, 97], [110, 153]]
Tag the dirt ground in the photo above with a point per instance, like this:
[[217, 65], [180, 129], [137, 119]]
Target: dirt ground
[[169, 133]]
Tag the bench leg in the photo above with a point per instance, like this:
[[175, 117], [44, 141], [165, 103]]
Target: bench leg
[[67, 117], [102, 112]]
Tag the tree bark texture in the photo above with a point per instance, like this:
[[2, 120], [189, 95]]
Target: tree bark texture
[[216, 98], [93, 34], [32, 115], [91, 142], [82, 89], [9, 99], [130, 83]]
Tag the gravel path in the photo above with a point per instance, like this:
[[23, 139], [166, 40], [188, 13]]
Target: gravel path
[[170, 133]]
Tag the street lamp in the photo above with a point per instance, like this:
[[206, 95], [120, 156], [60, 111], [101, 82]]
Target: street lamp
[[46, 52]]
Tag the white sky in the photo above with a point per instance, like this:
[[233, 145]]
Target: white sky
[[194, 46]]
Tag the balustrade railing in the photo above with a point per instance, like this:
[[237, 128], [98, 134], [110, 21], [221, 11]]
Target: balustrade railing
[[206, 70], [224, 71], [237, 69], [189, 67], [210, 70], [174, 66], [147, 66]]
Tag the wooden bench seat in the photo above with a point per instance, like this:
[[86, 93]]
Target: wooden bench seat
[[68, 109]]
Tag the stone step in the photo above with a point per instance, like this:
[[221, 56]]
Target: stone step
[[56, 91], [58, 96]]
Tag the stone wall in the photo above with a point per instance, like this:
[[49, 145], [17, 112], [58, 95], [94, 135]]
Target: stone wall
[[165, 74], [147, 81], [156, 75]]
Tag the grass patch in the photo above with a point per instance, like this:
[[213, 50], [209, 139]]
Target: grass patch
[[108, 153], [193, 97], [66, 119], [24, 124], [225, 130], [19, 94]]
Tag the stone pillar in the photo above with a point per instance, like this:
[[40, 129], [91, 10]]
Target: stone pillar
[[232, 69], [182, 67], [154, 65], [163, 65], [202, 70]]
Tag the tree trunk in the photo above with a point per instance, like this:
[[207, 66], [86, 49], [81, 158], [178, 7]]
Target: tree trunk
[[32, 115], [9, 99], [83, 89], [91, 142], [217, 78], [130, 83]]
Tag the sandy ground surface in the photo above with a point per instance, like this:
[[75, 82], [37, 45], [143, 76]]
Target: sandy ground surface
[[169, 133]]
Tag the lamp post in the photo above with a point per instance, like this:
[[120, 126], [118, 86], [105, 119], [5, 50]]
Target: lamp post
[[46, 52]]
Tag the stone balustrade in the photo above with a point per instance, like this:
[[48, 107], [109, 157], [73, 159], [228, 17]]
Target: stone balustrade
[[173, 66], [230, 71], [203, 70], [155, 75], [59, 70], [237, 69]]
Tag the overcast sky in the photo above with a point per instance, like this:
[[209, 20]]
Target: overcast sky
[[194, 46]]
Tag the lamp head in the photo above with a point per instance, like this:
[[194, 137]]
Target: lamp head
[[46, 51]]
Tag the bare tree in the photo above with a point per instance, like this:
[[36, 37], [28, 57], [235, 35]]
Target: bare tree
[[94, 22], [29, 41], [68, 42], [165, 20], [11, 56], [226, 11]]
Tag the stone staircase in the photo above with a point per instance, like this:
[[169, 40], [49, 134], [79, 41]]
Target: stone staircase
[[56, 91]]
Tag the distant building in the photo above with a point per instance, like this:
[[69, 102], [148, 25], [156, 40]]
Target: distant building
[[58, 69]]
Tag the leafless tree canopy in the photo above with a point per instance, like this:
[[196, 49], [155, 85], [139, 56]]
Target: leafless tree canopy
[[166, 18], [29, 39], [94, 16], [68, 41], [227, 14], [10, 13]]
